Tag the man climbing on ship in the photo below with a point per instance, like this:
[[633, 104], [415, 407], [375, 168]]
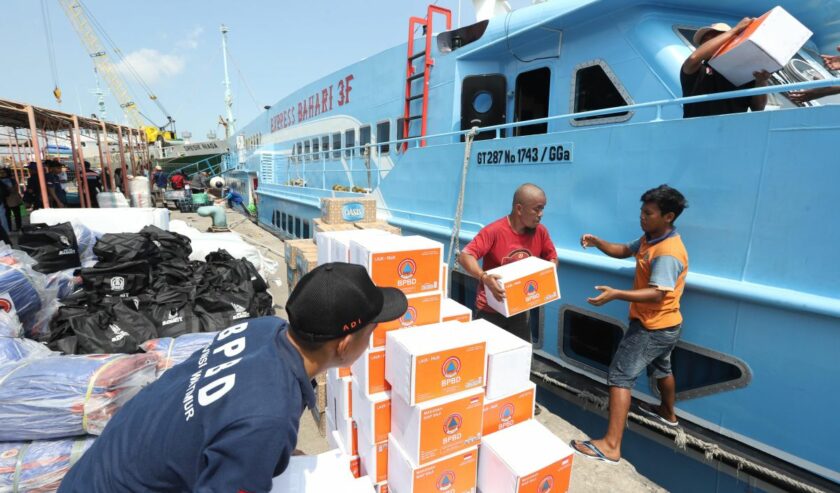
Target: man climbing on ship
[[514, 237], [655, 319], [227, 418]]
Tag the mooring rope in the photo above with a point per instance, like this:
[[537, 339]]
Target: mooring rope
[[682, 440], [454, 240]]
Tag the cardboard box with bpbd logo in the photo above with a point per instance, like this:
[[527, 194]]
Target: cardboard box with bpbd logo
[[374, 459], [451, 310], [527, 283], [372, 415], [433, 361], [409, 263], [509, 410], [508, 359], [423, 309], [434, 429], [526, 457], [334, 246], [369, 371], [455, 473], [768, 43], [348, 210]]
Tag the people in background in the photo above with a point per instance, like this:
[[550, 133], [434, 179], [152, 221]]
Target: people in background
[[178, 180], [831, 62], [230, 413], [55, 192], [32, 195], [10, 191], [655, 318], [200, 182], [94, 183], [514, 237], [234, 200], [698, 78]]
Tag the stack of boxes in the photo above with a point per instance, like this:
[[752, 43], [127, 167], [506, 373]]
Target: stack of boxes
[[301, 257]]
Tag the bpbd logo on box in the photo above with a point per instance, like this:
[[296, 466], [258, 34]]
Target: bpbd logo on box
[[409, 318], [451, 428], [445, 481], [532, 290], [406, 270], [352, 211], [546, 484]]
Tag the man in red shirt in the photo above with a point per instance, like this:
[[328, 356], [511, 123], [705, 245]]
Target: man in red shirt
[[514, 237]]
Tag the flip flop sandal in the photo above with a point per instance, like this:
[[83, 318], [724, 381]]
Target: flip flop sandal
[[599, 456], [644, 408]]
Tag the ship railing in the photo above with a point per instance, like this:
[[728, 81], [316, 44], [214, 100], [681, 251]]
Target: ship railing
[[362, 158]]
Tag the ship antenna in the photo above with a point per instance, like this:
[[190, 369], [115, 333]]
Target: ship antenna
[[230, 128]]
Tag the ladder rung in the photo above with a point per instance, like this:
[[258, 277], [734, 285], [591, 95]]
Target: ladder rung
[[415, 117], [412, 98], [417, 55], [417, 76]]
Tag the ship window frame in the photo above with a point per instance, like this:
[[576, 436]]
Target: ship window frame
[[316, 148], [350, 142], [307, 150], [616, 82], [299, 154], [362, 144], [325, 146], [561, 337], [336, 145], [383, 127], [676, 28], [541, 128]]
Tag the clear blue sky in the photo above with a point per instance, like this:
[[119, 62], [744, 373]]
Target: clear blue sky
[[277, 46]]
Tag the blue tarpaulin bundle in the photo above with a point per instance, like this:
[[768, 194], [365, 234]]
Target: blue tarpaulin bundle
[[18, 348], [25, 292], [39, 467], [171, 351], [66, 396]]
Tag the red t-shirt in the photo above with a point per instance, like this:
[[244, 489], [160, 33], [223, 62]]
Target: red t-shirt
[[498, 244]]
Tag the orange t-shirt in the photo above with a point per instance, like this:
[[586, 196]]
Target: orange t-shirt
[[663, 264]]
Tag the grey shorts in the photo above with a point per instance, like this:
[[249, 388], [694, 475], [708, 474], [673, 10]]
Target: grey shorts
[[641, 348]]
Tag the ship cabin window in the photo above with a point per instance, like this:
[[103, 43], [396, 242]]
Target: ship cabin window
[[595, 87], [325, 146], [702, 371], [316, 149], [307, 151], [336, 145], [531, 102], [305, 230], [297, 227], [299, 152], [483, 103], [350, 142], [588, 339], [364, 138], [283, 219], [383, 134], [686, 34]]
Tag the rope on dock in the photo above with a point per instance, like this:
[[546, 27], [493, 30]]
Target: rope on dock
[[682, 439]]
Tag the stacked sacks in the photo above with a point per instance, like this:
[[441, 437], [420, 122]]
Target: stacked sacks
[[172, 351], [39, 466], [54, 248], [25, 293]]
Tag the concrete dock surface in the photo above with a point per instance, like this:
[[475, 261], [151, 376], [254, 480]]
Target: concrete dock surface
[[587, 475]]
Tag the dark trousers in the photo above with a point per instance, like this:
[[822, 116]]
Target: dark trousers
[[16, 212], [517, 325]]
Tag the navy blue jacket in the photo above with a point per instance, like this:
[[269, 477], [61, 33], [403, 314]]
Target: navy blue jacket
[[225, 420]]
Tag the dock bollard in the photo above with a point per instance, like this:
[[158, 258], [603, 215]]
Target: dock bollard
[[217, 214]]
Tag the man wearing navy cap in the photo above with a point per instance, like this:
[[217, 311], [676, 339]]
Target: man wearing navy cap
[[227, 418]]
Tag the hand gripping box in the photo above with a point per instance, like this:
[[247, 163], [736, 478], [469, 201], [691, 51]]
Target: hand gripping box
[[339, 397], [374, 459], [423, 309], [524, 458], [508, 359], [372, 415], [454, 311], [768, 43], [455, 473], [528, 283], [410, 263], [433, 361], [509, 410], [369, 371], [434, 429]]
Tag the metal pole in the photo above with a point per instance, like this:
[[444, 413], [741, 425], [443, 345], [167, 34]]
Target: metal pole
[[131, 153], [112, 183], [122, 163], [19, 177], [33, 133], [230, 128], [101, 161], [78, 160]]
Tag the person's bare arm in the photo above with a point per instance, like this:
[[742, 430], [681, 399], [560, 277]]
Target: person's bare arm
[[471, 267], [812, 94], [644, 295], [615, 250], [706, 50]]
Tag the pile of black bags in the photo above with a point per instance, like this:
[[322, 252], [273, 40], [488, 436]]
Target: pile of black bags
[[144, 286]]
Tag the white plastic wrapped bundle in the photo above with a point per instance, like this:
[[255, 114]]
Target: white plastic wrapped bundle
[[86, 238], [66, 396], [10, 325], [111, 199], [18, 348], [38, 467], [172, 351], [26, 292]]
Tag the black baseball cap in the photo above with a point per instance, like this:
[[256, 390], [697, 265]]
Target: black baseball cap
[[337, 299]]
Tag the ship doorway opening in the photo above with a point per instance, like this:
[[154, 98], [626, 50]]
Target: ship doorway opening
[[483, 103], [532, 97], [588, 339]]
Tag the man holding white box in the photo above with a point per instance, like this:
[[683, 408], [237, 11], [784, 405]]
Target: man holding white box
[[514, 237]]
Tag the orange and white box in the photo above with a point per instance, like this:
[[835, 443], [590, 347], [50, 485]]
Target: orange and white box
[[454, 473], [444, 278], [525, 458], [369, 371], [356, 466], [508, 359], [343, 434], [527, 283], [509, 410], [433, 361], [768, 43], [451, 310], [336, 373], [423, 309], [410, 263], [381, 487], [337, 243], [374, 459], [340, 397], [434, 429], [372, 415]]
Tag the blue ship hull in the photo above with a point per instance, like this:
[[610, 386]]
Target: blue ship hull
[[758, 357]]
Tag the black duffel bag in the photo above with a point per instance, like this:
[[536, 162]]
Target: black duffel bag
[[53, 247], [223, 269], [116, 327], [173, 272], [219, 309], [117, 279], [172, 245], [171, 310], [125, 247]]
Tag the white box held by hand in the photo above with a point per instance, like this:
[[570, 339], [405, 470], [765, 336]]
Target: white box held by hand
[[527, 283], [768, 43], [524, 457]]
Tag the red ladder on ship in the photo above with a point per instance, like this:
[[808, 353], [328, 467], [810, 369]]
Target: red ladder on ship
[[411, 74]]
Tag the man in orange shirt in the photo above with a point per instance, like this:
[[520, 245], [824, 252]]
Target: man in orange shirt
[[655, 319]]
